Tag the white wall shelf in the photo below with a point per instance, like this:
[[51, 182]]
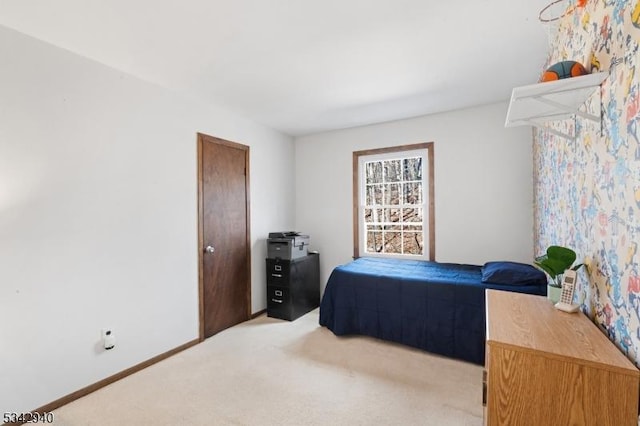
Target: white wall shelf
[[538, 104]]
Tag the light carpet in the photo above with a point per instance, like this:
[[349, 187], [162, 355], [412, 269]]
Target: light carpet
[[272, 372]]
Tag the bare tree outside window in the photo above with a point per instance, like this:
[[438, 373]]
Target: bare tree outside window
[[393, 209]]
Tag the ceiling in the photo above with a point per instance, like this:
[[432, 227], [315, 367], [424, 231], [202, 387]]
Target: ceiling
[[305, 66]]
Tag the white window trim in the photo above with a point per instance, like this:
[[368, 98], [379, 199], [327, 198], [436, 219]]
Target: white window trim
[[362, 234]]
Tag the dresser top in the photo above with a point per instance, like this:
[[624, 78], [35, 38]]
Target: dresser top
[[532, 323]]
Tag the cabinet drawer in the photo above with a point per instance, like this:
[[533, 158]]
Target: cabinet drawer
[[278, 272], [278, 298], [279, 303]]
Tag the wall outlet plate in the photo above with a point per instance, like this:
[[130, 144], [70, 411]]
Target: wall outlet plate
[[108, 339]]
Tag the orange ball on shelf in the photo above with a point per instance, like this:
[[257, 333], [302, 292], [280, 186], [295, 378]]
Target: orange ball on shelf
[[563, 69]]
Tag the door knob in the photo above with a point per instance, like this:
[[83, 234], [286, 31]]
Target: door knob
[[209, 249]]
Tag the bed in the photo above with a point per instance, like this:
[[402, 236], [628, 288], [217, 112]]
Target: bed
[[438, 307]]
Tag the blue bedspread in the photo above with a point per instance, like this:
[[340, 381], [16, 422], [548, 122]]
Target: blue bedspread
[[438, 307]]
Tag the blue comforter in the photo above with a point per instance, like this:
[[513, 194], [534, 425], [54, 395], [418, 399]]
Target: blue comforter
[[438, 307]]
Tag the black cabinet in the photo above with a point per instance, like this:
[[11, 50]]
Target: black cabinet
[[293, 286]]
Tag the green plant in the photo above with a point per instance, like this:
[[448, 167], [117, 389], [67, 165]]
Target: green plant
[[557, 260]]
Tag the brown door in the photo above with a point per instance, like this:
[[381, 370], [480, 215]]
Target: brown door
[[225, 283]]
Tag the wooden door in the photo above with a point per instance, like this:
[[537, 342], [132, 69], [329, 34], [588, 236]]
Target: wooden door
[[224, 243]]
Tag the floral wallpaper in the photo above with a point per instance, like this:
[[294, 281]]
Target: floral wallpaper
[[587, 190]]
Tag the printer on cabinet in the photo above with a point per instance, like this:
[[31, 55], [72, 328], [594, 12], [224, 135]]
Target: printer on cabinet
[[287, 245]]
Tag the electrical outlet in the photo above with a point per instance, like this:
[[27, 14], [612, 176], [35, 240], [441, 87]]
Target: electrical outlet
[[108, 339]]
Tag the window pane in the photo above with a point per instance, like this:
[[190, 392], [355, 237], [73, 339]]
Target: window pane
[[412, 168], [374, 242], [369, 198], [412, 243], [413, 193], [393, 170], [393, 242], [394, 215], [412, 227], [392, 194], [374, 195], [373, 172], [373, 215], [412, 215]]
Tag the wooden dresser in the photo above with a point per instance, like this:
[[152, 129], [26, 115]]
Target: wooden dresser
[[548, 367]]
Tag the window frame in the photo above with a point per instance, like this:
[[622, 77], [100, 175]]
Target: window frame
[[429, 194]]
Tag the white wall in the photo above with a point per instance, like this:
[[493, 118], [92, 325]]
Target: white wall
[[98, 217], [483, 186]]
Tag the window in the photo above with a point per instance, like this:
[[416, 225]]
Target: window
[[393, 202]]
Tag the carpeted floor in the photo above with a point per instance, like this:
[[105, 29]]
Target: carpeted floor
[[272, 372]]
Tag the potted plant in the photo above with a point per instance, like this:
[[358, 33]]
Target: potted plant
[[557, 260]]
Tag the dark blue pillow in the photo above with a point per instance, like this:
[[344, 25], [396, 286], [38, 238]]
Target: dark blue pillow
[[512, 273]]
